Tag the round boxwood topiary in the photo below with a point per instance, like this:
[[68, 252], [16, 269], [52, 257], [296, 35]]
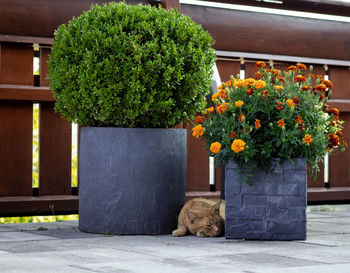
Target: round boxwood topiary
[[130, 66]]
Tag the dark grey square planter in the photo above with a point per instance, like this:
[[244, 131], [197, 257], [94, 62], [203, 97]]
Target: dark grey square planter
[[131, 181], [273, 208]]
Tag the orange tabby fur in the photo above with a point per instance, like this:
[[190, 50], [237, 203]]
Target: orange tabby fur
[[202, 217]]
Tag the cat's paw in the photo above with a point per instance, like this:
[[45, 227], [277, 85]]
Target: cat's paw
[[179, 232], [201, 234]]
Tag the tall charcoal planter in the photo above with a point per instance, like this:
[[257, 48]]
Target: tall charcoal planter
[[132, 181], [272, 208]]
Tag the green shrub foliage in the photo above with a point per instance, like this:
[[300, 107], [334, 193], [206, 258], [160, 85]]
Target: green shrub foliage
[[130, 66]]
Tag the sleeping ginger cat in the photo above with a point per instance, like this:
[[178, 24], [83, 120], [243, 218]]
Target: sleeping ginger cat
[[202, 217]]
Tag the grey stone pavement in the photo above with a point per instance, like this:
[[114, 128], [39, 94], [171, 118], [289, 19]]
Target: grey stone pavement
[[61, 247]]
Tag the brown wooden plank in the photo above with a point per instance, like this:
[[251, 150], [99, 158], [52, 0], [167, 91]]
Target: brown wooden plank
[[16, 16], [227, 68], [55, 152], [197, 177], [25, 93], [16, 127], [340, 77], [170, 4], [25, 39], [16, 65], [236, 30], [322, 195], [26, 206], [204, 194], [44, 58]]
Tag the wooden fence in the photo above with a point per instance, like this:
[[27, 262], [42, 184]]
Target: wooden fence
[[237, 36]]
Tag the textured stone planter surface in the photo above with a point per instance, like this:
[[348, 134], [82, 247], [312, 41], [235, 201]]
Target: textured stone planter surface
[[273, 208], [132, 181]]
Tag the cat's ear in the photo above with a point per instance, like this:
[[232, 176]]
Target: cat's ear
[[192, 216], [216, 208]]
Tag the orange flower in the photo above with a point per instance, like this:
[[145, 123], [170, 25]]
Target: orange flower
[[290, 103], [215, 96], [282, 79], [239, 103], [199, 119], [209, 110], [238, 83], [233, 134], [281, 123], [260, 64], [335, 112], [296, 100], [238, 145], [250, 91], [275, 72], [339, 134], [320, 77], [215, 147], [221, 87], [278, 87], [293, 67], [260, 84], [305, 88], [301, 66], [311, 75], [249, 82], [279, 106], [307, 139], [265, 93], [302, 127], [221, 108], [241, 118], [321, 87], [334, 141], [299, 120], [328, 83], [300, 78], [258, 75], [228, 83], [257, 124], [197, 131]]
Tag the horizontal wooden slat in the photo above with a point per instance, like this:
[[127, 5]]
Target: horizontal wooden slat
[[27, 205], [25, 39], [342, 104], [243, 31], [338, 194], [204, 194], [25, 93]]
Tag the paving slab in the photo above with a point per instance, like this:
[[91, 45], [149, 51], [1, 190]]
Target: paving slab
[[61, 247]]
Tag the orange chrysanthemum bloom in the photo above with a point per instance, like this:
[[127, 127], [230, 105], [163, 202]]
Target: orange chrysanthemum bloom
[[278, 87], [311, 75], [233, 134], [321, 87], [239, 103], [300, 78], [265, 93], [258, 75], [238, 145], [299, 120], [238, 83], [292, 67], [320, 77], [209, 110], [197, 131], [302, 127], [335, 112], [307, 139], [305, 88], [260, 64], [199, 119], [249, 82], [228, 83], [250, 91], [257, 124], [290, 103], [275, 72], [215, 147], [339, 134], [281, 79], [221, 87], [221, 108], [279, 106], [328, 83], [296, 100], [301, 66], [334, 141], [260, 84], [241, 118], [281, 123], [215, 96]]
